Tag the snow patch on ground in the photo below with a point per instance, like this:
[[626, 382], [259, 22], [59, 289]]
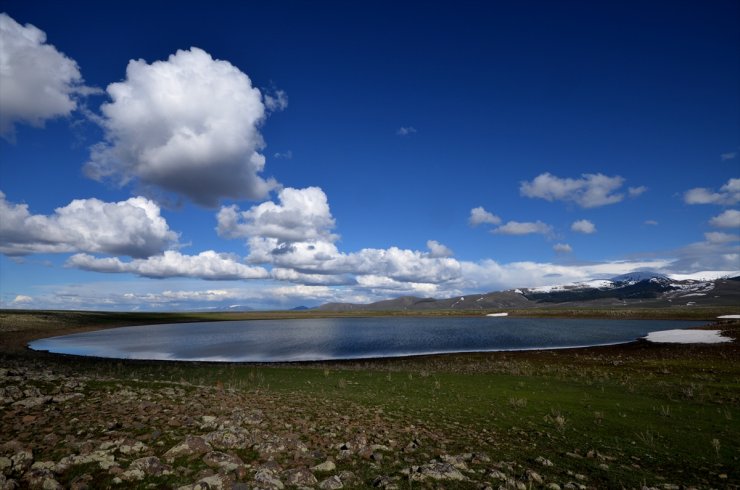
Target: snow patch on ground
[[687, 337], [497, 314], [729, 317]]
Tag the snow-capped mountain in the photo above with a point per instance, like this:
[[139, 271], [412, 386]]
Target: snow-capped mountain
[[646, 289]]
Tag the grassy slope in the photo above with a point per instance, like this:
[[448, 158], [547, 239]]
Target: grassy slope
[[651, 413]]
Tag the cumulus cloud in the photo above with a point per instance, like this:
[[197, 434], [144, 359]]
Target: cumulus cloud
[[727, 195], [299, 215], [133, 227], [721, 237], [730, 155], [524, 228], [728, 219], [583, 226], [636, 191], [479, 216], [651, 222], [562, 248], [207, 265], [293, 275], [37, 82], [590, 191], [276, 101], [188, 125], [406, 130], [21, 299], [437, 250]]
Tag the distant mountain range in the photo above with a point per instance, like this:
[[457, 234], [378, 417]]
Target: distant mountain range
[[643, 289]]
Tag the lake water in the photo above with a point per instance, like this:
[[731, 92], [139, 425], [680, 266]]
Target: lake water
[[345, 338]]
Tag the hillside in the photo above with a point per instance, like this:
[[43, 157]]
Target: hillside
[[637, 289]]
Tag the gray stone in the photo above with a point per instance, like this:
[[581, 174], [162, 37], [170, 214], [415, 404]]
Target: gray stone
[[325, 466], [192, 447], [267, 479], [543, 461], [227, 462], [331, 483], [299, 477], [437, 471], [151, 466], [41, 479], [32, 401], [22, 461], [228, 439]]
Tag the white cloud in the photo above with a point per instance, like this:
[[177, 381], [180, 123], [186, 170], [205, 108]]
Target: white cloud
[[651, 222], [728, 219], [717, 253], [37, 82], [300, 215], [406, 130], [590, 191], [292, 275], [489, 275], [283, 155], [728, 194], [437, 250], [720, 237], [636, 191], [524, 228], [479, 216], [188, 125], [387, 286], [207, 265], [22, 298], [276, 101], [583, 226], [562, 248], [728, 156], [133, 227]]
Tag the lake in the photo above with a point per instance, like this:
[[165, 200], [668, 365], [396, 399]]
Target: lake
[[346, 338]]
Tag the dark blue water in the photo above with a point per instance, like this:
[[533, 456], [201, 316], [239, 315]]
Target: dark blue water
[[345, 338]]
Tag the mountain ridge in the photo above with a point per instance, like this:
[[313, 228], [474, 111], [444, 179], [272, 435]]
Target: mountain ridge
[[645, 289]]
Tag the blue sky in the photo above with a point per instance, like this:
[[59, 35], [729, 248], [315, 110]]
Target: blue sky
[[275, 154]]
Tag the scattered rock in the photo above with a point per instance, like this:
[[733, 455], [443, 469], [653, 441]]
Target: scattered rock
[[535, 477], [325, 466], [151, 466], [32, 401], [331, 483], [267, 479], [543, 461], [227, 462], [22, 461], [385, 482], [299, 477], [228, 439], [192, 447], [436, 471], [40, 478], [213, 482]]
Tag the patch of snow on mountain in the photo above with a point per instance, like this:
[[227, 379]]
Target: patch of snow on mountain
[[704, 275]]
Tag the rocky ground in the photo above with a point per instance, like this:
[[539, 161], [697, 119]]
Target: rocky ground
[[91, 432]]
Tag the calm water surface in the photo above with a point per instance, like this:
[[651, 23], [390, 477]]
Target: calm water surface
[[345, 338]]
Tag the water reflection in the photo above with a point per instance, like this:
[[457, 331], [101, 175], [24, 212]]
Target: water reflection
[[345, 338]]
